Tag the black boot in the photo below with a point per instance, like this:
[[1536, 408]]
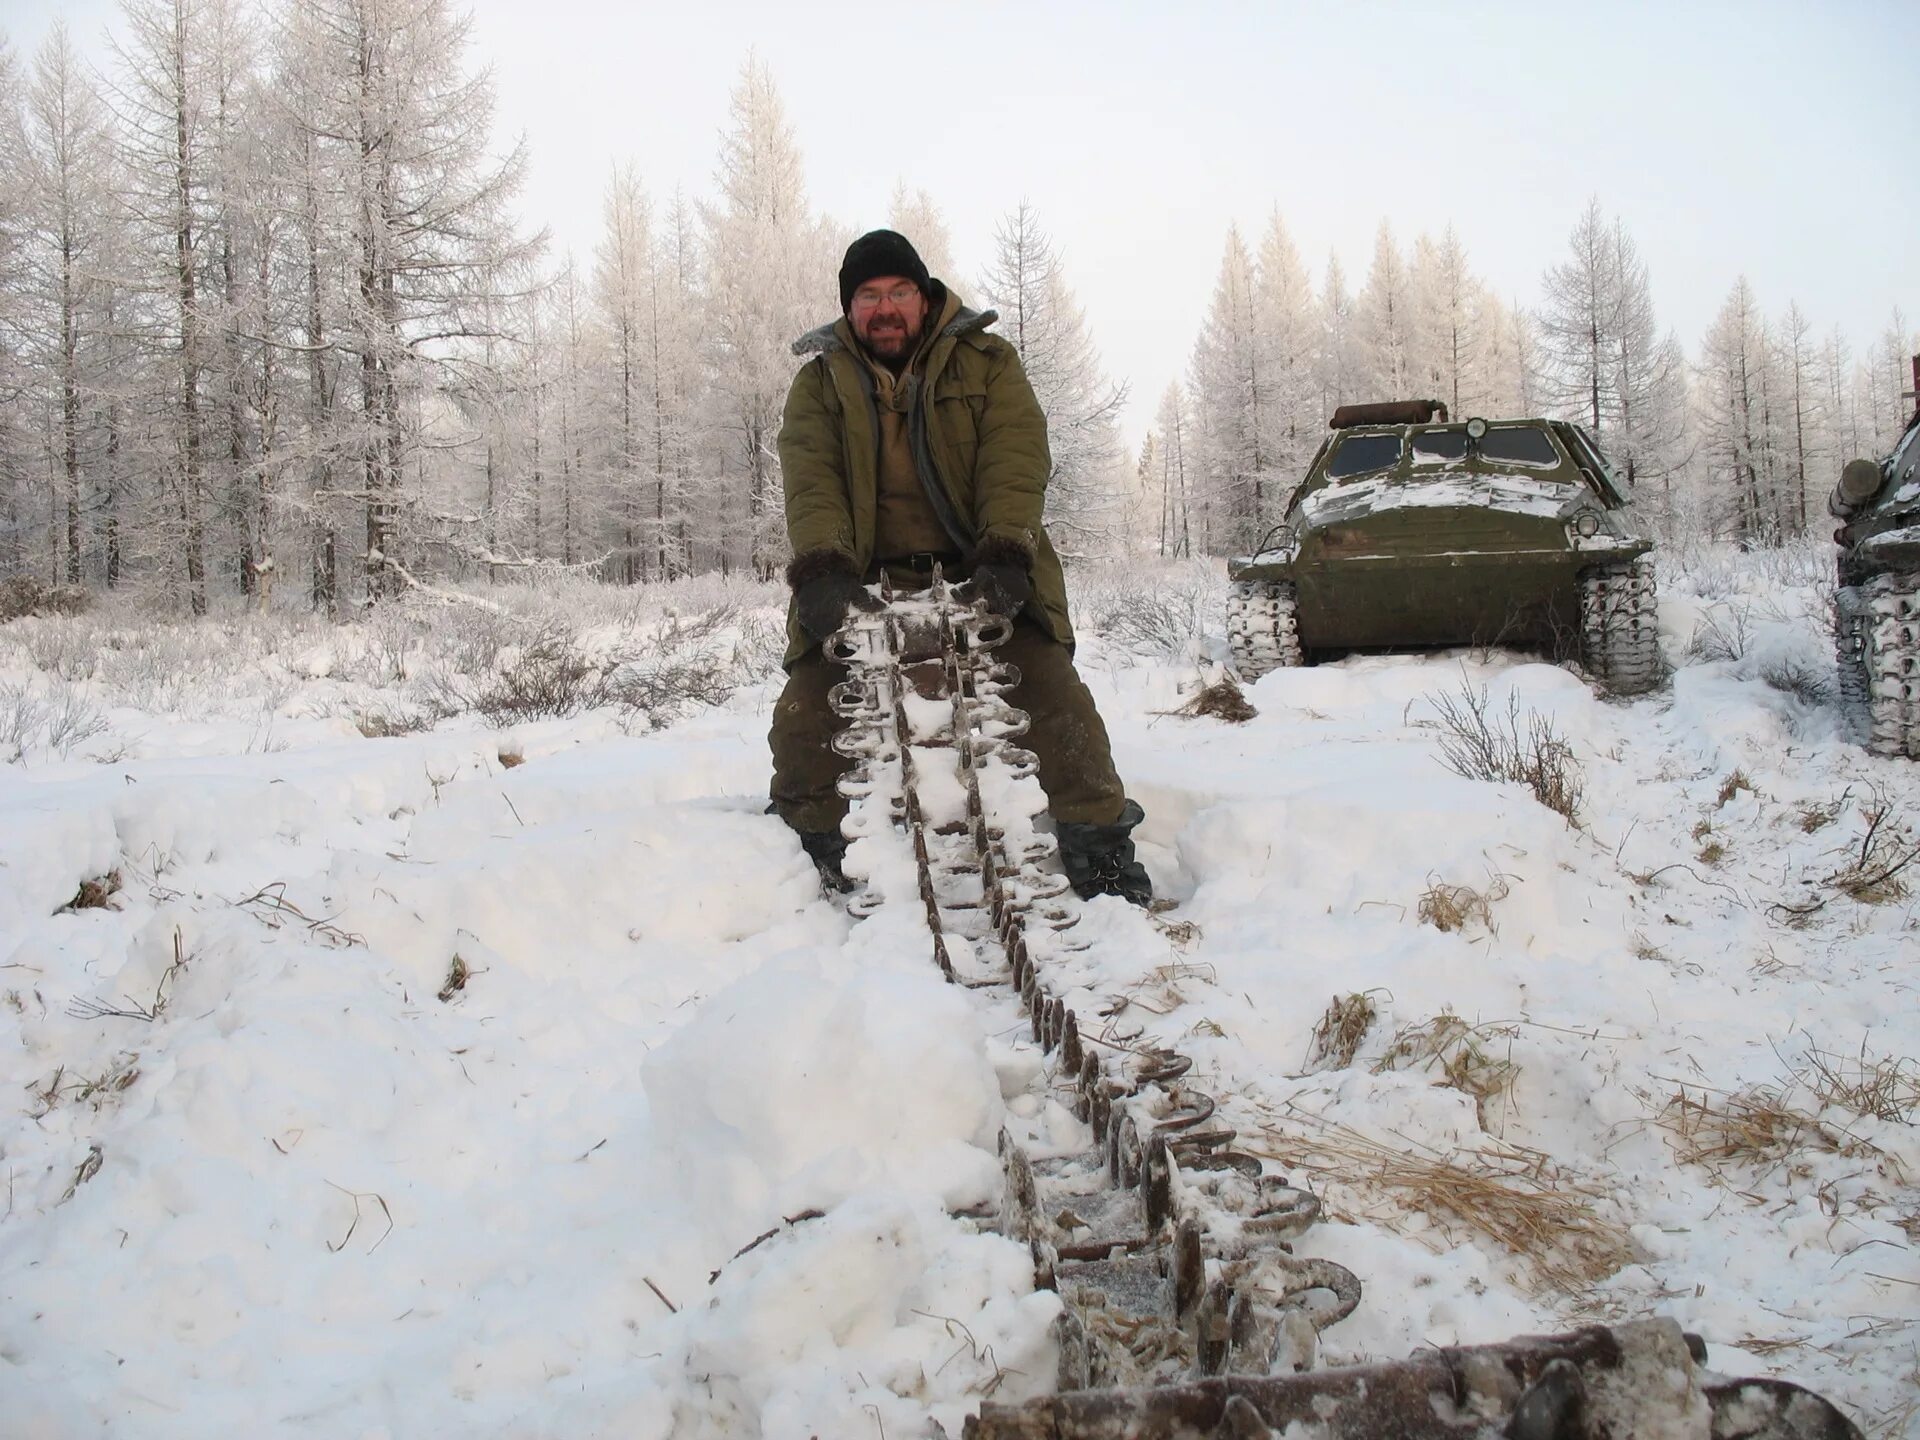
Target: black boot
[[827, 848], [1099, 858]]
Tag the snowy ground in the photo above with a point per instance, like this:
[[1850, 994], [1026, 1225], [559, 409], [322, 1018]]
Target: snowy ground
[[433, 1084]]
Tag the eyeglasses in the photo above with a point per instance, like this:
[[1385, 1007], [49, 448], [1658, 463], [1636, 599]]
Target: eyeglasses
[[898, 296]]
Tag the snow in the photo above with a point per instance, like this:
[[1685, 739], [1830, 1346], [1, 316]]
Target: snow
[[311, 1197], [1372, 497]]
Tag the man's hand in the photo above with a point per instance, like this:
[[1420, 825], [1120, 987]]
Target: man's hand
[[1001, 576], [821, 604], [824, 585]]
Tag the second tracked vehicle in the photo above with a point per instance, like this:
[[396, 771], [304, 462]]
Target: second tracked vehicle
[[1877, 603], [1412, 531]]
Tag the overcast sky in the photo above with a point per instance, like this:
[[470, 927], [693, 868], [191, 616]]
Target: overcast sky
[[1779, 140]]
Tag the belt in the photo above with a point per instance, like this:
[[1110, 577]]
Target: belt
[[923, 562]]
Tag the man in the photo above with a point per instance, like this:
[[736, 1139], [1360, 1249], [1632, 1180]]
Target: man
[[911, 439]]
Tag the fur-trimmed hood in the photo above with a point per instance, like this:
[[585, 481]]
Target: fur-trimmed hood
[[827, 338]]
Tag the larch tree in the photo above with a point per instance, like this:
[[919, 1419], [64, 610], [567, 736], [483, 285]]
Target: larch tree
[[1026, 283], [1733, 420], [1228, 389], [1287, 338], [1386, 321], [429, 240], [1171, 480], [1339, 369], [622, 302], [66, 165], [767, 282], [915, 216]]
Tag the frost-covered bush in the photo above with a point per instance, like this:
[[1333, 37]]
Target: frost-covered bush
[[22, 595], [1158, 609], [55, 718]]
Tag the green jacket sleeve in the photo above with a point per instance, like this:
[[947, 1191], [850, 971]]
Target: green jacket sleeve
[[813, 467], [1011, 469]]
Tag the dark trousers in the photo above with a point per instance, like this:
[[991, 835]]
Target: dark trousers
[[1066, 735]]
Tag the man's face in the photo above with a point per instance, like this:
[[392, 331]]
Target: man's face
[[887, 314]]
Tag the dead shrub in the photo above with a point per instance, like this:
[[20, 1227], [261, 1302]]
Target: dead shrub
[[22, 596], [660, 690], [96, 894], [385, 724], [1223, 700], [1793, 676], [1532, 752], [1725, 632], [1338, 1034], [1457, 1052]]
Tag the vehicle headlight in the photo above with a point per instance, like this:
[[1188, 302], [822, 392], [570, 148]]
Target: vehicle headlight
[[1586, 524]]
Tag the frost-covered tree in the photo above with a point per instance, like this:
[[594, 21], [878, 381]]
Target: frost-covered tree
[[1228, 388], [1605, 362], [1339, 368], [65, 265], [1286, 336], [1172, 479], [1385, 322], [1452, 351], [767, 279], [1736, 444], [915, 216], [1026, 283], [424, 214]]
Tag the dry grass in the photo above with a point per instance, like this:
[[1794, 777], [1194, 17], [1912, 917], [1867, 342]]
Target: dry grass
[[1760, 1126], [1757, 1126], [1886, 1088], [1221, 700], [1818, 817], [1338, 1034], [1459, 1054], [1732, 786], [1514, 1198], [1454, 907]]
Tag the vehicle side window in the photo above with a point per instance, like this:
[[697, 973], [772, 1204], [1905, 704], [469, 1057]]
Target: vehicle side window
[[1521, 446], [1359, 454]]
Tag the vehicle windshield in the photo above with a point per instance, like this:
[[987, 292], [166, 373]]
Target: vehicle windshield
[[1359, 454], [1516, 445]]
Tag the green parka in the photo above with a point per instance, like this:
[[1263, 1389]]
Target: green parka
[[979, 441]]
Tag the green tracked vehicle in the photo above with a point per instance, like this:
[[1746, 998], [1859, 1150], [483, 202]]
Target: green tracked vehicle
[[1410, 531], [1876, 611]]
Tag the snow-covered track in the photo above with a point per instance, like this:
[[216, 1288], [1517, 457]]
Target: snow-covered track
[[1186, 1311]]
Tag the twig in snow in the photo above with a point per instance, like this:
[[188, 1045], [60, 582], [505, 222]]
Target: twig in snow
[[672, 1309], [357, 1196]]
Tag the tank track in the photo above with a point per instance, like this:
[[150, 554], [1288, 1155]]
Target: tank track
[[1620, 627], [1262, 633], [1877, 649], [1185, 1311]]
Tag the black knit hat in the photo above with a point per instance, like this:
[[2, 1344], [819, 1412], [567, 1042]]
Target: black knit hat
[[877, 253]]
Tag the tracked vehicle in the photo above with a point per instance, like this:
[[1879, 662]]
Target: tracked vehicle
[[1409, 531], [1877, 605]]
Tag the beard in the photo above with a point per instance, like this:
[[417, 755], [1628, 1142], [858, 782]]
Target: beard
[[890, 337]]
